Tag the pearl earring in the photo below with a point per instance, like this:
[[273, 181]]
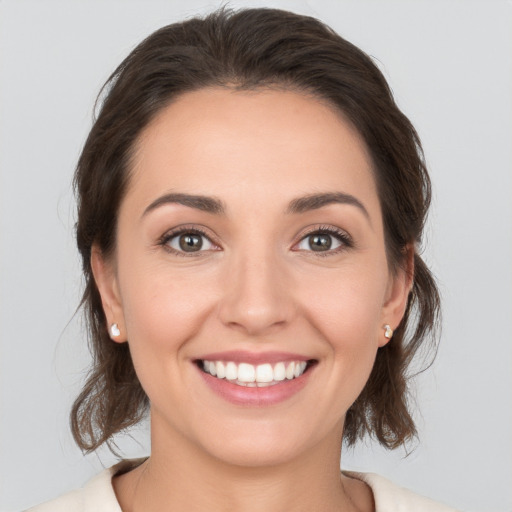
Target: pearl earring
[[388, 332], [114, 330]]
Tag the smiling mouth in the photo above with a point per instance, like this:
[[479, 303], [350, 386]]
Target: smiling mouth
[[261, 375]]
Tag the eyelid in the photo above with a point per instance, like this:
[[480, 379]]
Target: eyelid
[[187, 228], [341, 235]]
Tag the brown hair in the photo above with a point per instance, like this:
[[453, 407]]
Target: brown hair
[[250, 49]]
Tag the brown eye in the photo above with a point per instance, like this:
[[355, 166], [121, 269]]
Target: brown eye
[[189, 242], [320, 242], [326, 240]]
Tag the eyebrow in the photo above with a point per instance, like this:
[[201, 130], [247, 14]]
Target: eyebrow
[[316, 201], [203, 203], [296, 206]]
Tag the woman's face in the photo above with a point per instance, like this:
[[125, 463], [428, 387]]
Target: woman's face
[[250, 243]]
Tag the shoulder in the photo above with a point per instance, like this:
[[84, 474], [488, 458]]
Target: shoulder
[[96, 496], [390, 497]]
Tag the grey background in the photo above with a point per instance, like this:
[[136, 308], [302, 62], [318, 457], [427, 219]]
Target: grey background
[[450, 66]]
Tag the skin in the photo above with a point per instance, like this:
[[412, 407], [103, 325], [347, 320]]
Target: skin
[[257, 286]]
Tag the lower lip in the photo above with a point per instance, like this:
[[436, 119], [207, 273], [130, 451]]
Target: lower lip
[[254, 396]]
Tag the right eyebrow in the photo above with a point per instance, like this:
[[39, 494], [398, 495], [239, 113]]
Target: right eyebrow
[[203, 203]]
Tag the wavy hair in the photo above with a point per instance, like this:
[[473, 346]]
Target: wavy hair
[[247, 50]]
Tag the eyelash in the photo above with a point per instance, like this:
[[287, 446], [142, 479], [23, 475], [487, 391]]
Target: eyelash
[[342, 236], [182, 230]]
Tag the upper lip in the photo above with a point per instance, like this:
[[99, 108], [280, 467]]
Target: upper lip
[[242, 356]]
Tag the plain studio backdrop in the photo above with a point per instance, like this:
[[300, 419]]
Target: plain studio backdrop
[[450, 66]]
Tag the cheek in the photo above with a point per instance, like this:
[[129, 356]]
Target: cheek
[[345, 309], [163, 310], [348, 301], [163, 315]]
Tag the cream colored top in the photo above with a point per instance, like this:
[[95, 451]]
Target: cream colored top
[[98, 496]]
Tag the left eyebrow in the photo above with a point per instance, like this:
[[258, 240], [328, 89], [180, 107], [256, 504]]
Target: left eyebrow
[[315, 201]]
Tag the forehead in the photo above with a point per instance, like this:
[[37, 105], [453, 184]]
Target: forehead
[[219, 142]]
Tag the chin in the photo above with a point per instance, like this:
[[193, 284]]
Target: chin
[[264, 443], [256, 452]]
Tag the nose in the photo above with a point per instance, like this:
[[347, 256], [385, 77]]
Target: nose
[[257, 297]]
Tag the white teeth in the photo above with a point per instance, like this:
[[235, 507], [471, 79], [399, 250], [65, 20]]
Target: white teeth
[[221, 370], [262, 375], [246, 372], [299, 368], [231, 371], [279, 372]]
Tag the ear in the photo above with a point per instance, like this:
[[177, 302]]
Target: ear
[[397, 294], [106, 280]]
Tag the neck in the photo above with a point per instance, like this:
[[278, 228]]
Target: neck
[[180, 477]]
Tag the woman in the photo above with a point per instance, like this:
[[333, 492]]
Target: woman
[[250, 204]]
